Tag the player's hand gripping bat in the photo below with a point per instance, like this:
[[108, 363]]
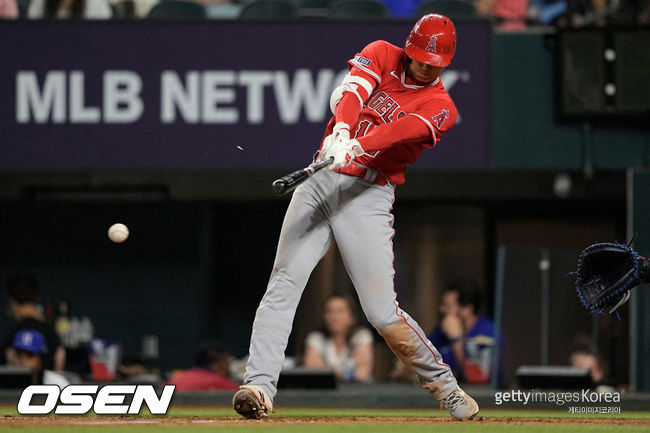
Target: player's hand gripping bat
[[291, 181]]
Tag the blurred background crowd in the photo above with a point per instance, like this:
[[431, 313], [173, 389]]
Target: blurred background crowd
[[51, 347], [510, 15]]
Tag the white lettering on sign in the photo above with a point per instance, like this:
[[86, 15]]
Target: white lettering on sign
[[195, 97], [255, 82], [44, 104], [210, 96], [303, 93], [79, 113], [176, 95], [122, 102], [217, 94], [47, 104]]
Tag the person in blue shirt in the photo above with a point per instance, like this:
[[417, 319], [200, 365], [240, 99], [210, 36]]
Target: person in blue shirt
[[402, 8], [465, 339]]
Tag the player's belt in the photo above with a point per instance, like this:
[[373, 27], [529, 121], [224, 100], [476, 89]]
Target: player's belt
[[368, 174]]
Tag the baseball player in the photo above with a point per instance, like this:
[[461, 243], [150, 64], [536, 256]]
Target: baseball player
[[389, 108]]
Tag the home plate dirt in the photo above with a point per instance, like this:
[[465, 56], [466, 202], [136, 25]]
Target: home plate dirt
[[9, 420]]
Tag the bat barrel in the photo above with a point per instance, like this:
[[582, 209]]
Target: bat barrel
[[289, 182], [279, 187]]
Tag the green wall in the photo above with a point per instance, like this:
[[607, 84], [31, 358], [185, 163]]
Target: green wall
[[525, 132]]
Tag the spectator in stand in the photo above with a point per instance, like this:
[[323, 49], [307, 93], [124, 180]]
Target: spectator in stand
[[31, 351], [69, 9], [24, 295], [510, 14], [643, 15], [8, 9], [447, 336], [584, 358], [340, 344], [581, 13], [402, 8], [466, 340], [211, 371]]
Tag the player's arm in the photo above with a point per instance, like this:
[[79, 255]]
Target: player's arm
[[356, 88], [349, 97], [412, 128], [407, 129], [427, 126], [347, 105], [346, 114], [404, 130]]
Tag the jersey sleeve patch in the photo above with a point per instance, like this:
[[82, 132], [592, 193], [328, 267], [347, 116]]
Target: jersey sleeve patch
[[363, 61], [370, 59], [366, 69]]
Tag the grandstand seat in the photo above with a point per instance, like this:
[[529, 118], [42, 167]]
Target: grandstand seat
[[314, 4], [116, 11], [223, 11], [450, 8], [23, 6], [269, 10], [359, 9], [313, 8], [177, 9]]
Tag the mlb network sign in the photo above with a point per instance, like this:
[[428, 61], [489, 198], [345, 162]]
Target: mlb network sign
[[236, 95], [207, 97], [80, 399]]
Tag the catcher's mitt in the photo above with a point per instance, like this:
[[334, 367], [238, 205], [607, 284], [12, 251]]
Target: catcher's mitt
[[606, 274]]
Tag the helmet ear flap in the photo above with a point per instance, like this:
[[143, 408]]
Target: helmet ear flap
[[432, 40]]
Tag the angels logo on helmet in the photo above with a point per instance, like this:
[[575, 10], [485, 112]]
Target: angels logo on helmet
[[432, 44]]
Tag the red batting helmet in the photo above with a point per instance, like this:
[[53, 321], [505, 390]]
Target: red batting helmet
[[432, 40]]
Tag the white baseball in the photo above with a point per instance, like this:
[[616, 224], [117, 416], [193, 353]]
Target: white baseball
[[118, 233], [562, 185]]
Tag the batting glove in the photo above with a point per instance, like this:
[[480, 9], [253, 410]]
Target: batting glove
[[344, 151], [341, 130], [327, 145]]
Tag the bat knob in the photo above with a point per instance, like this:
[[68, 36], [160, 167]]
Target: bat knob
[[279, 187]]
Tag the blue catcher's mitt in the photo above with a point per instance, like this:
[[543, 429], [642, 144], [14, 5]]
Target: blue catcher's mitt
[[606, 274]]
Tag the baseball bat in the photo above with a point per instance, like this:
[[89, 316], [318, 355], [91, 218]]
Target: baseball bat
[[291, 181]]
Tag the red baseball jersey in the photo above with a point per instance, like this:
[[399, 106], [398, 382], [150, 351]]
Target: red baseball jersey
[[387, 94]]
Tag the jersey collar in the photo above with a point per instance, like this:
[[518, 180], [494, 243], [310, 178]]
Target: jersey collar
[[412, 86]]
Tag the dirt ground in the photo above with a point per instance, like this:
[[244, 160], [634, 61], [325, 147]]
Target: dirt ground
[[129, 420]]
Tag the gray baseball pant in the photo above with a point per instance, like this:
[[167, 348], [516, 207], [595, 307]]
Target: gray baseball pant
[[358, 216]]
